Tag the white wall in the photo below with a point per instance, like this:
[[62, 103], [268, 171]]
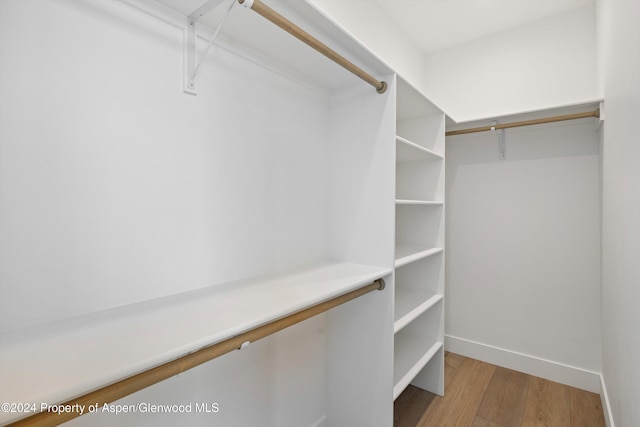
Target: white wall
[[110, 172], [523, 250], [619, 33], [544, 64]]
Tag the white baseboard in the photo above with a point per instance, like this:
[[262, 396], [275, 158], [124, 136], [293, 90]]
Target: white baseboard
[[606, 405], [547, 369]]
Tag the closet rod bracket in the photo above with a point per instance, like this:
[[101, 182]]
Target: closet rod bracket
[[502, 143], [189, 84], [191, 62]]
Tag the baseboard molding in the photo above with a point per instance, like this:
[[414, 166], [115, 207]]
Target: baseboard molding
[[606, 405], [550, 370]]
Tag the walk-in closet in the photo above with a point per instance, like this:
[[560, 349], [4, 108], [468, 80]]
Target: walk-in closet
[[319, 213]]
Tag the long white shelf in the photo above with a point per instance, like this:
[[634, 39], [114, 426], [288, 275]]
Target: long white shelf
[[409, 254], [58, 361], [410, 356], [409, 305], [419, 202], [407, 151]]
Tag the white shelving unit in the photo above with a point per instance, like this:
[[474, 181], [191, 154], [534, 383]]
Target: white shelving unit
[[419, 256]]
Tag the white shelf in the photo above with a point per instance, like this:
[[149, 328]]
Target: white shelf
[[61, 360], [407, 151], [410, 356], [409, 305], [419, 202], [409, 254]]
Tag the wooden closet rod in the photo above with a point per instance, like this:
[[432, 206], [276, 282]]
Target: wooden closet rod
[[282, 22], [552, 119], [127, 386]]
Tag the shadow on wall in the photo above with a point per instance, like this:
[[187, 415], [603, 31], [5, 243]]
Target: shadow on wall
[[574, 139]]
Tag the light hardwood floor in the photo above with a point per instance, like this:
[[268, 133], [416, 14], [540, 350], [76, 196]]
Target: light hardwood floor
[[478, 394]]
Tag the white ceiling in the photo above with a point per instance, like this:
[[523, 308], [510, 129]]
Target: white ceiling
[[437, 24]]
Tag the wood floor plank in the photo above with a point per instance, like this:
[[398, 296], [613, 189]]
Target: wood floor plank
[[504, 400], [462, 396], [452, 362], [548, 404], [586, 409], [481, 422], [478, 394], [410, 406]]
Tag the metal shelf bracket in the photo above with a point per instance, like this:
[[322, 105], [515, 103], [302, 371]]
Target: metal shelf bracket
[[191, 62], [502, 143]]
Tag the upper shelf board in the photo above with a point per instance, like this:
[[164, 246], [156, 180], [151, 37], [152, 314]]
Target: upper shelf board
[[452, 125], [246, 29]]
